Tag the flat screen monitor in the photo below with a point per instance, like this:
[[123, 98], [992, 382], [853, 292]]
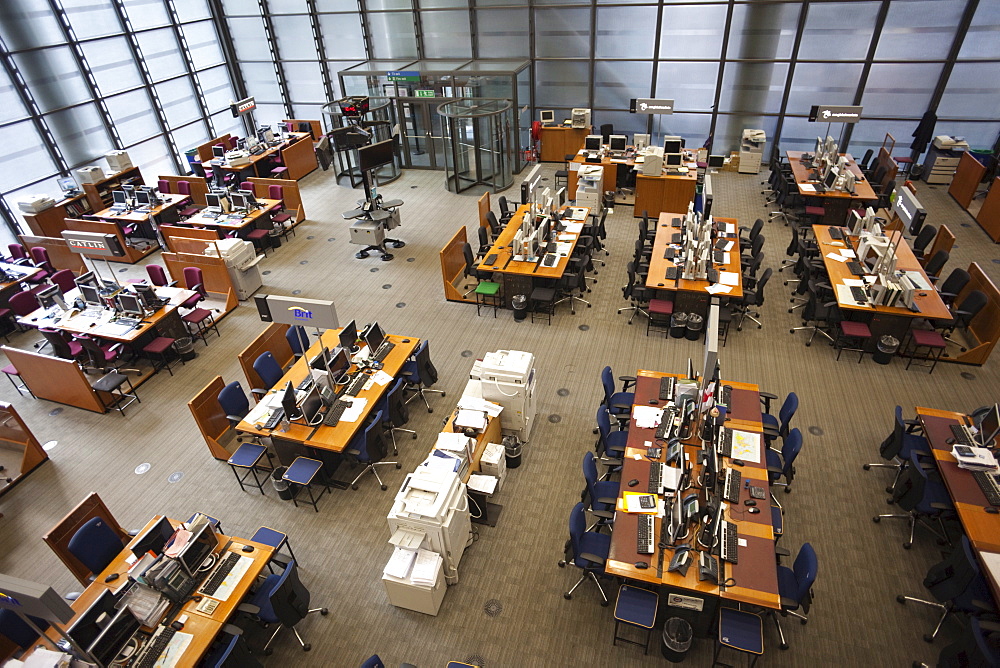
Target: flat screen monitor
[[237, 201], [989, 426], [213, 201], [147, 293], [142, 198], [201, 544], [672, 159], [130, 304], [88, 625], [373, 336], [547, 116], [154, 538], [592, 142], [672, 145], [67, 184], [831, 178], [349, 336], [87, 278], [113, 638], [119, 197], [219, 151], [340, 362], [377, 155], [311, 404], [617, 142], [716, 161], [47, 298], [90, 294], [288, 402], [249, 198]]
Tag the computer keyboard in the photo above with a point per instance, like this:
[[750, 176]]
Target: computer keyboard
[[725, 447], [655, 477], [383, 351], [128, 322], [150, 652], [357, 383], [490, 259], [214, 581], [728, 542], [987, 481], [210, 214], [837, 233], [667, 388], [732, 487], [549, 260], [671, 273], [644, 541], [859, 294], [963, 436], [276, 416], [855, 268], [305, 383], [335, 412]]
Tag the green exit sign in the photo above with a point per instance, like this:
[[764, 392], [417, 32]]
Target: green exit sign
[[425, 93]]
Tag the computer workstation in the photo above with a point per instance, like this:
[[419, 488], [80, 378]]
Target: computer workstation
[[566, 138], [254, 155], [833, 178]]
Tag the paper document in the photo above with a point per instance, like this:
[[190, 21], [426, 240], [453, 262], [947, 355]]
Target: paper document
[[425, 567], [992, 562], [836, 256], [353, 413], [728, 247], [563, 248], [727, 258], [478, 404], [637, 502], [847, 252], [746, 446], [718, 288], [382, 378], [486, 484], [400, 563], [566, 237], [854, 283], [807, 187], [729, 278], [646, 417], [730, 229], [844, 296], [573, 227], [918, 280], [470, 418], [671, 477], [452, 442]]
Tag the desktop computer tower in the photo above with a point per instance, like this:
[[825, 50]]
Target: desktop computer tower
[[652, 165]]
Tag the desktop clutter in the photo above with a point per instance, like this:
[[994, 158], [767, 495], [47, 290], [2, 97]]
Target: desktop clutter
[[829, 169]]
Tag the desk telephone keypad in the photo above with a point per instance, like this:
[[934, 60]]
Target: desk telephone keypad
[[680, 562], [708, 567], [757, 493]]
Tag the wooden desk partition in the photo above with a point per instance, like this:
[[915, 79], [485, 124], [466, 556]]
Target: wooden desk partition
[[211, 419], [197, 186], [172, 232], [214, 274], [132, 255], [315, 126], [968, 175], [60, 256], [453, 267], [55, 379], [17, 440], [272, 340], [58, 537], [299, 157], [989, 214], [205, 150], [292, 197], [985, 327], [483, 206], [943, 241], [558, 141]]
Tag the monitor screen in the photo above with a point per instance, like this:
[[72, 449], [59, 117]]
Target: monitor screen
[[90, 294], [546, 116], [672, 159], [237, 201], [199, 546], [142, 197], [154, 539], [592, 142], [89, 624], [377, 155], [288, 401], [87, 278], [112, 639], [249, 198], [130, 304], [46, 297], [146, 292], [340, 362], [617, 142], [349, 336], [990, 425], [213, 201], [219, 151], [68, 184], [672, 145], [311, 404], [373, 336], [119, 197], [831, 178], [716, 161]]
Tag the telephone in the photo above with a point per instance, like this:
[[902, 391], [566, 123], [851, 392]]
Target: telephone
[[691, 506], [708, 567], [674, 451], [681, 561]]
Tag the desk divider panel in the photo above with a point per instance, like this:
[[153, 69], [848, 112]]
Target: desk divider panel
[[60, 256], [58, 537], [317, 127], [196, 184], [171, 233], [14, 434], [943, 240], [213, 272], [964, 184], [985, 327], [484, 207], [210, 418], [891, 168], [989, 213], [205, 150], [272, 340], [453, 267], [293, 200], [300, 158], [132, 255], [55, 379]]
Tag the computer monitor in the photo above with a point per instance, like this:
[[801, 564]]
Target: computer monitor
[[119, 197], [154, 538], [311, 404], [89, 624], [91, 294], [617, 142], [340, 363], [989, 426], [237, 201], [288, 402], [672, 145], [349, 336], [831, 178], [147, 293], [546, 116], [716, 161], [201, 544], [373, 336], [130, 304], [142, 198], [113, 638], [377, 155], [47, 298], [672, 159], [219, 151], [213, 200], [641, 141], [87, 278], [68, 184], [249, 198], [593, 142], [561, 196], [818, 150]]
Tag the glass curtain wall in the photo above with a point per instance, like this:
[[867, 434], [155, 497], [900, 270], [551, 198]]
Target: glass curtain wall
[[84, 77]]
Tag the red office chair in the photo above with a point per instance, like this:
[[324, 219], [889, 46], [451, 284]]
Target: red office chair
[[246, 185], [69, 350], [158, 277], [163, 186], [64, 278], [194, 281], [184, 188], [101, 354], [17, 252], [282, 217], [41, 260]]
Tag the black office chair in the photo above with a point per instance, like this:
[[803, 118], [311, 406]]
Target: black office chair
[[924, 237], [978, 645], [587, 550], [962, 315], [470, 269], [484, 242], [751, 299], [419, 373], [954, 284], [936, 264], [506, 213], [923, 499], [282, 600], [866, 159], [752, 233], [897, 448], [230, 650], [495, 226], [635, 292]]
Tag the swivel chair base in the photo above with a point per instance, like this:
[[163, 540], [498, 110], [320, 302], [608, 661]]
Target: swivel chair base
[[370, 466], [572, 303], [636, 310]]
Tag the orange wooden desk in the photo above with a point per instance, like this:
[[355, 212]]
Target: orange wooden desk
[[836, 202]]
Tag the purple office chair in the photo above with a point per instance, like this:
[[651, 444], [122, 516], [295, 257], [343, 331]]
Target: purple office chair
[[194, 281], [64, 278]]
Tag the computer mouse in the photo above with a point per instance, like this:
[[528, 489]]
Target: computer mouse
[[922, 294], [633, 482], [641, 564], [750, 502], [112, 577], [248, 548], [653, 402], [659, 285], [992, 510], [754, 511], [738, 462], [949, 441], [406, 340]]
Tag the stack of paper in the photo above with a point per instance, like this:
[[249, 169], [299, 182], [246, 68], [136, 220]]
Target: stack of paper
[[973, 459], [646, 417], [425, 568], [746, 446], [456, 462], [400, 563], [354, 412]]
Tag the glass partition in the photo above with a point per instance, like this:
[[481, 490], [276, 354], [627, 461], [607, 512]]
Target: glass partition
[[478, 143]]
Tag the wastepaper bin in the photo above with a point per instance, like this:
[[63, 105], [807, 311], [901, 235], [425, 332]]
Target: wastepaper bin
[[678, 325], [520, 305], [694, 324], [512, 453], [885, 349], [677, 639], [280, 485], [185, 348]]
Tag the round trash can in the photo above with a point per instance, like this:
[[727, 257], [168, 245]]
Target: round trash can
[[281, 486], [885, 349], [677, 639], [678, 325], [512, 453], [694, 325], [520, 305], [185, 348]]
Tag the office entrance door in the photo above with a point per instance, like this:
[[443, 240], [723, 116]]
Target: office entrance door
[[422, 136]]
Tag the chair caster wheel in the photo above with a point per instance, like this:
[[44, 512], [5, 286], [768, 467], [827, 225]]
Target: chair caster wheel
[[928, 638], [430, 410], [354, 487], [562, 564], [784, 646], [809, 344], [589, 305], [867, 467], [901, 599], [384, 488], [907, 546], [888, 490], [306, 647], [268, 651], [414, 437], [876, 519], [325, 611], [604, 604], [399, 466], [568, 597]]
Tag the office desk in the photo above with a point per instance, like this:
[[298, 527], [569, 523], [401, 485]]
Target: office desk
[[835, 202], [756, 572], [558, 141], [519, 277], [892, 320], [324, 439], [164, 320], [689, 296], [169, 202], [296, 154], [201, 626], [9, 288], [492, 434], [247, 222]]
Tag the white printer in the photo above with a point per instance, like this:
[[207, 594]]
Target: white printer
[[237, 158], [508, 378], [90, 174], [118, 161], [951, 143], [35, 203], [241, 261]]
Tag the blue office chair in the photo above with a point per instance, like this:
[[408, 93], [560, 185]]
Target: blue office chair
[[610, 443], [282, 600], [924, 499], [368, 447], [783, 465], [18, 631], [778, 426], [958, 585], [295, 336], [795, 588], [230, 651], [234, 404], [394, 410], [977, 646], [588, 549], [269, 371], [602, 494], [373, 662], [95, 544], [420, 374], [899, 445], [619, 404]]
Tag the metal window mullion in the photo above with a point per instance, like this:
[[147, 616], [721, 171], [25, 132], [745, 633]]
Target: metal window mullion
[[591, 96], [722, 70], [803, 17], [956, 47], [88, 74], [866, 69], [232, 62], [656, 63], [324, 67], [272, 43], [365, 34], [188, 59], [474, 30], [418, 29]]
